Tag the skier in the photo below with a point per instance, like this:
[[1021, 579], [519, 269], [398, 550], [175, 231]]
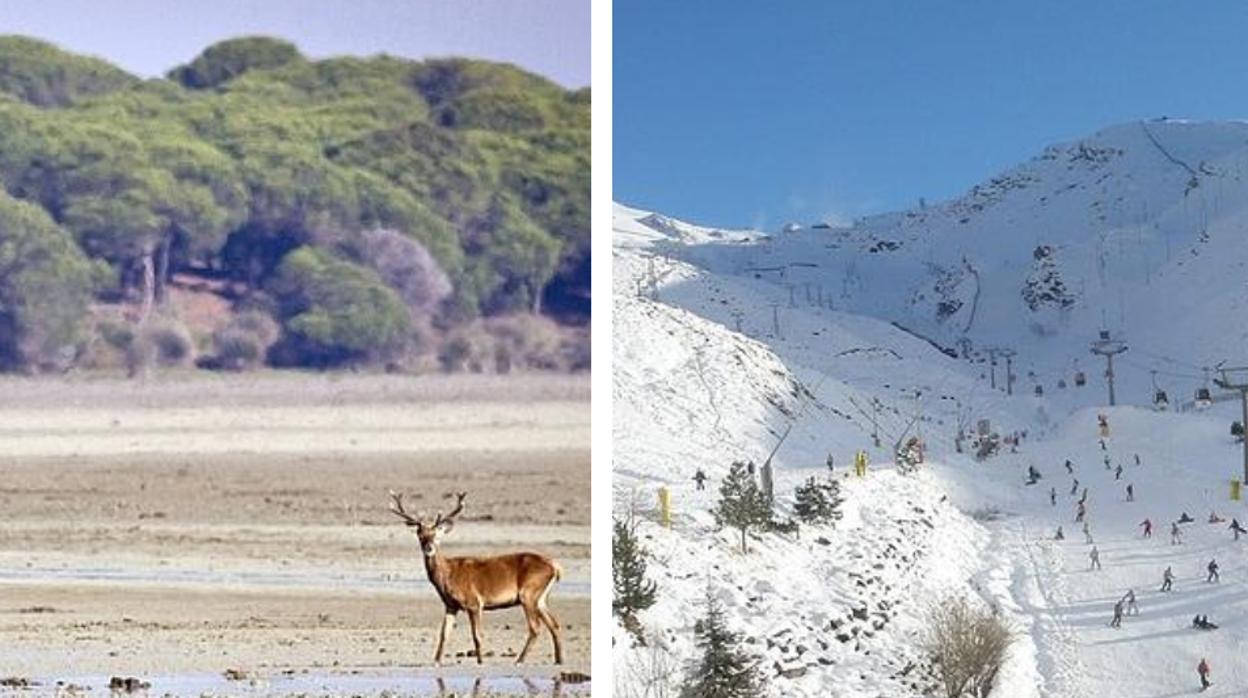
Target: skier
[[1116, 621], [1080, 510], [1184, 518], [1175, 537], [1087, 533], [749, 468], [1084, 497], [1214, 518], [1132, 609], [1060, 535], [1053, 496], [1202, 623], [1103, 446], [1203, 670], [1137, 459], [1107, 461], [1130, 492], [830, 462], [1095, 557], [1074, 487], [700, 478], [1167, 579], [1070, 467], [1148, 527], [1118, 472], [1213, 572], [1237, 528]]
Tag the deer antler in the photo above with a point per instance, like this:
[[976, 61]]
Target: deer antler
[[459, 506], [396, 507]]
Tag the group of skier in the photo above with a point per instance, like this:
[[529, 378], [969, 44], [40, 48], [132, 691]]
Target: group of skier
[[1126, 605]]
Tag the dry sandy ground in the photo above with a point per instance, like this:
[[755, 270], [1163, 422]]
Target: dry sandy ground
[[197, 524]]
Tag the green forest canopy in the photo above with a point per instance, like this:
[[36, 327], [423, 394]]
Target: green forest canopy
[[259, 166]]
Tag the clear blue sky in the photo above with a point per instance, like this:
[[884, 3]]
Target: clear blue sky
[[147, 37], [757, 113]]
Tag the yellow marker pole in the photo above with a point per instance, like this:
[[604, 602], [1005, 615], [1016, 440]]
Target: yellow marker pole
[[1235, 485], [665, 506]]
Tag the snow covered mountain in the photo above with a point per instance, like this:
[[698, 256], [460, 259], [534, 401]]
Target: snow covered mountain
[[790, 346], [1137, 229]]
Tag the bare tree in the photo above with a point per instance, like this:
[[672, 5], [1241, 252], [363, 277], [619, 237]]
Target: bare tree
[[968, 644], [407, 267]]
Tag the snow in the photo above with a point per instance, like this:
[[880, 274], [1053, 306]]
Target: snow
[[840, 604], [726, 340]]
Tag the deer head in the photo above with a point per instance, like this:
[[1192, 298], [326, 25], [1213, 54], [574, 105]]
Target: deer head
[[429, 534]]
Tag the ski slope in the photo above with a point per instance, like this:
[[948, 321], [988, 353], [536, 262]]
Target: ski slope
[[714, 363]]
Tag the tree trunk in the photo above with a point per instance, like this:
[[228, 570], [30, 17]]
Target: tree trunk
[[162, 268], [744, 550], [149, 286]]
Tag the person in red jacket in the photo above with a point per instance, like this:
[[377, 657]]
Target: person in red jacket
[[1203, 670]]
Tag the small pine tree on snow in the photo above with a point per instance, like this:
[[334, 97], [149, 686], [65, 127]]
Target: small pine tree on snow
[[818, 501], [633, 592], [742, 503], [723, 670]]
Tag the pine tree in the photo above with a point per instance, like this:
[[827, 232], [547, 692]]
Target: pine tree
[[633, 592], [818, 501], [742, 503], [723, 670]]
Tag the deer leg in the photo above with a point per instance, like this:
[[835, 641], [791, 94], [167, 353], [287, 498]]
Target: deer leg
[[448, 622], [548, 618], [474, 620], [531, 617], [552, 624]]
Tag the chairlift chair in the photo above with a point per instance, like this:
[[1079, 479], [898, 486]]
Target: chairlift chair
[[1160, 400], [1081, 379], [1203, 398]]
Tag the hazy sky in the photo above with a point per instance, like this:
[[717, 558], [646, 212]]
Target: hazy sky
[[740, 113], [148, 37]]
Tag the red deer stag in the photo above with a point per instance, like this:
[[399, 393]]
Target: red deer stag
[[477, 584]]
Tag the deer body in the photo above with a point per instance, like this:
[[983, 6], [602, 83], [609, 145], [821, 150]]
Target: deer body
[[478, 584]]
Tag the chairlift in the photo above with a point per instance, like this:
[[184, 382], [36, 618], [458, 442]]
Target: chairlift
[[1039, 391], [1081, 379], [1160, 400], [1203, 397]]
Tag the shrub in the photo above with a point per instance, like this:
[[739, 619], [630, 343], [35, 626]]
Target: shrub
[[243, 343], [524, 341], [968, 645], [467, 348], [161, 341]]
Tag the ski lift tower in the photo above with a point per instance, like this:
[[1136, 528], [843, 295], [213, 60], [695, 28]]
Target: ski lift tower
[[1236, 378], [1109, 348]]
